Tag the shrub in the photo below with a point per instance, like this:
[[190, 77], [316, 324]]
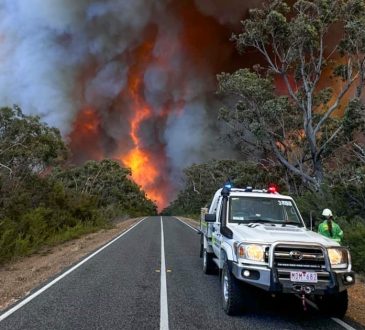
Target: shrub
[[354, 238]]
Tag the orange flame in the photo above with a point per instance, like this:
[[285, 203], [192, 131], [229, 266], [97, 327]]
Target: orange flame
[[199, 48], [144, 170], [85, 136]]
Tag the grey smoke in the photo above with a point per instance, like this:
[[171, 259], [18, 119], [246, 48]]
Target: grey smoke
[[186, 136], [106, 85], [57, 56], [45, 43], [226, 12]]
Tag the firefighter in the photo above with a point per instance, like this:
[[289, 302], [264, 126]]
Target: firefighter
[[329, 228]]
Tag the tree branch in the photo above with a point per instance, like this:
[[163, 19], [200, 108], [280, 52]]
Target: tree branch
[[361, 152], [6, 167], [264, 52], [289, 166], [290, 89], [318, 67], [329, 140], [335, 105], [194, 188]]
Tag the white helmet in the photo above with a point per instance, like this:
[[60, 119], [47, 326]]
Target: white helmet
[[327, 213]]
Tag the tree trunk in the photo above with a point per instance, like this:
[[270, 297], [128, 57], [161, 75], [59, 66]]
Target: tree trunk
[[318, 172]]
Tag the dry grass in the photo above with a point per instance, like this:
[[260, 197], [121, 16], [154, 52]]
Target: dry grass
[[356, 309]]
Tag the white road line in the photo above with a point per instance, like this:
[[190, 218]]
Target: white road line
[[164, 313], [340, 322], [186, 224], [335, 319], [37, 293]]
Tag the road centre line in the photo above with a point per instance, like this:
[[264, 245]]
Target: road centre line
[[338, 321], [187, 224], [37, 293], [164, 313]]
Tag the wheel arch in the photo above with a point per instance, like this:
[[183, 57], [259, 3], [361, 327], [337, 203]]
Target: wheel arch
[[226, 254]]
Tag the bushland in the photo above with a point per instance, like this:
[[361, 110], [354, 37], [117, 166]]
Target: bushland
[[44, 200]]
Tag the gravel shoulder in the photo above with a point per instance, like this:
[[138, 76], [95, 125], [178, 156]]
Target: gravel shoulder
[[19, 277], [356, 310]]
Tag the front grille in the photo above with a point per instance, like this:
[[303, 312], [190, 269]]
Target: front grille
[[298, 257]]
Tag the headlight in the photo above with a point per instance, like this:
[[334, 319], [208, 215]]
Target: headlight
[[338, 257], [254, 252]]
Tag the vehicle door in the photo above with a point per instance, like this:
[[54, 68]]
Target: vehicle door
[[216, 234]]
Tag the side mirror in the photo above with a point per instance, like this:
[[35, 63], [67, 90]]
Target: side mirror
[[209, 217]]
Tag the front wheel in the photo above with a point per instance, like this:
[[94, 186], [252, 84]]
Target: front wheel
[[333, 304], [231, 292]]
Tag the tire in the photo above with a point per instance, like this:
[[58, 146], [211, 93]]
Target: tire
[[334, 305], [231, 292], [208, 263]]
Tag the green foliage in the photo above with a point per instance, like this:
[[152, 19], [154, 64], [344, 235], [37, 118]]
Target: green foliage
[[42, 204], [298, 130], [202, 181], [39, 210], [354, 238], [26, 144], [346, 201], [354, 38], [110, 183], [353, 119]]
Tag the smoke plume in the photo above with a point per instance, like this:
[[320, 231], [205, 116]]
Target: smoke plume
[[132, 80]]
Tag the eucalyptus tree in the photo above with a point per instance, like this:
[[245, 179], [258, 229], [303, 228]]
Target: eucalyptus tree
[[310, 67]]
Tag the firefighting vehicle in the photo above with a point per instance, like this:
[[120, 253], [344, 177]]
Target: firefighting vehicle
[[258, 238]]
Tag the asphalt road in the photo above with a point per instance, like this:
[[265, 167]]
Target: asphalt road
[[120, 288]]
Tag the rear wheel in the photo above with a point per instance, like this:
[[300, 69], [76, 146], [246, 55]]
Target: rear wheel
[[208, 263], [333, 304], [231, 292]]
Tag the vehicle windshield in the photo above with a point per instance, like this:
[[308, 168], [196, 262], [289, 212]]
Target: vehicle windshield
[[263, 210]]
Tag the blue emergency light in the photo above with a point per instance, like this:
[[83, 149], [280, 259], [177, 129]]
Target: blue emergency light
[[228, 186]]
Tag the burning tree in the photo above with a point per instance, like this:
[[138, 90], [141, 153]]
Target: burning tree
[[303, 99]]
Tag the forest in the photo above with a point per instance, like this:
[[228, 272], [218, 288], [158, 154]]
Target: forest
[[45, 200]]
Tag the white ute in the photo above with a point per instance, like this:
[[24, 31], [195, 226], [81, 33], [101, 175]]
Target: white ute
[[258, 238]]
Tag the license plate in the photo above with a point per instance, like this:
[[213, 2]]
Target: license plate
[[308, 277]]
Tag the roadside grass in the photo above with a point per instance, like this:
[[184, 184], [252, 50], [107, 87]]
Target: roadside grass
[[29, 245], [40, 230], [195, 217], [75, 232]]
